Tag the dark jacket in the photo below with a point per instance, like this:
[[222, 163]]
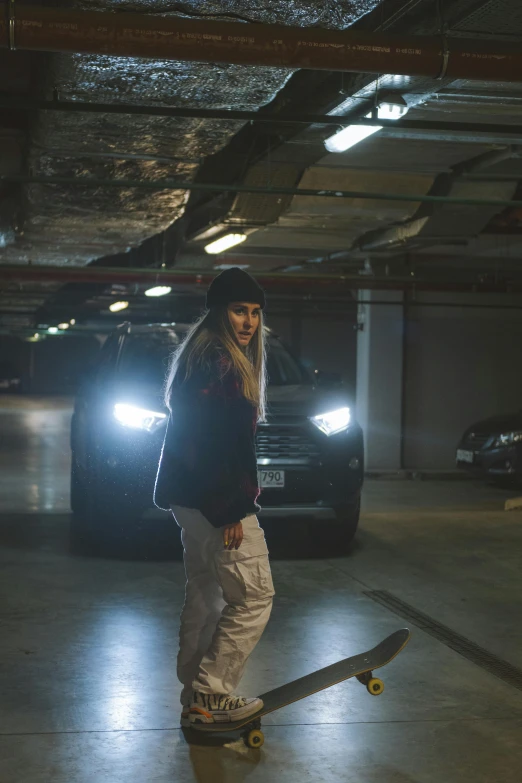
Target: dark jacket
[[208, 460]]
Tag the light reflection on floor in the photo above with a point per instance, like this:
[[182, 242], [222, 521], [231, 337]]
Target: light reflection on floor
[[35, 457]]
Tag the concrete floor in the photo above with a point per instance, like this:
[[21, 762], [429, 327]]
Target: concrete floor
[[88, 691]]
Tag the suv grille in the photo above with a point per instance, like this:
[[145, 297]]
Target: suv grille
[[476, 440], [285, 443]]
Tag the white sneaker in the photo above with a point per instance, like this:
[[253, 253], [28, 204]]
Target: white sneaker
[[213, 708]]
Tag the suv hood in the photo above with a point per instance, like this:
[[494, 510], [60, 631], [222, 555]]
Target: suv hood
[[305, 400]]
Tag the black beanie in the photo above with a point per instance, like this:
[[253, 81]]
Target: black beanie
[[234, 285]]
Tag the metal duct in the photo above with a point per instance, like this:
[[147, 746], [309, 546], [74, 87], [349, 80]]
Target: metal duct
[[423, 226], [170, 38]]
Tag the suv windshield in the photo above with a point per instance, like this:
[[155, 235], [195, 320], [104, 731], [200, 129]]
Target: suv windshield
[[145, 358], [282, 368]]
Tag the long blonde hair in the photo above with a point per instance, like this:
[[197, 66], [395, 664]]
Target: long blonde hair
[[214, 329]]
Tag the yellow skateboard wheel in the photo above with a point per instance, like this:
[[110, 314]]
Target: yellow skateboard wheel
[[255, 738], [375, 686]]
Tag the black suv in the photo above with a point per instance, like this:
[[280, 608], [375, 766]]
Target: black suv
[[310, 451]]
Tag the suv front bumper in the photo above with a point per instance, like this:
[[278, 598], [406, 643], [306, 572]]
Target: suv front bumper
[[314, 511]]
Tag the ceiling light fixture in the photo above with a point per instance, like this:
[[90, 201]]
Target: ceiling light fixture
[[115, 307], [53, 330], [159, 290], [353, 134], [72, 321], [224, 243], [224, 267], [63, 326]]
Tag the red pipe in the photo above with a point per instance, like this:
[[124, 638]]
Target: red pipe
[[286, 283], [146, 275], [174, 38]]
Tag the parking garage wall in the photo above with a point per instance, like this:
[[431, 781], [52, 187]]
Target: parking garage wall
[[53, 366], [462, 364]]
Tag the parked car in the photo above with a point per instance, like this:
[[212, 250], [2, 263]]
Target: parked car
[[310, 450], [10, 380], [492, 449]]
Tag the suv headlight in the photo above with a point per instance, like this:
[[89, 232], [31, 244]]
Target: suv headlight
[[138, 418], [508, 439], [332, 422]]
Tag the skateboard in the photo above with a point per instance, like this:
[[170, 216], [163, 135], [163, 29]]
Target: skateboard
[[359, 666]]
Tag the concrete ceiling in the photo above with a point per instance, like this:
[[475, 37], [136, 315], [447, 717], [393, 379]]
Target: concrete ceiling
[[70, 226]]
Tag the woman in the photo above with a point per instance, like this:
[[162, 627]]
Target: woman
[[208, 476]]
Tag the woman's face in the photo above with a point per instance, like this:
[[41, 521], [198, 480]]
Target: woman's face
[[244, 317]]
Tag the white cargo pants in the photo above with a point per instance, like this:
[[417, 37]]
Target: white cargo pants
[[228, 600]]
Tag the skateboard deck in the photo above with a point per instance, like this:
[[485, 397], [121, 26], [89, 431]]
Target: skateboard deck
[[360, 666]]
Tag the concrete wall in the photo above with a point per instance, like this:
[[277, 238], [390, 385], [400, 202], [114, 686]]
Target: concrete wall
[[53, 366], [461, 365]]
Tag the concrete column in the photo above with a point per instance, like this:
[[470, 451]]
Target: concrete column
[[380, 346]]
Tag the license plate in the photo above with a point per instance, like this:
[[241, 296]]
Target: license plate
[[271, 478], [465, 456]]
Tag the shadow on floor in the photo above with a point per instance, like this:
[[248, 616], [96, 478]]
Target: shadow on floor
[[213, 757], [155, 540]]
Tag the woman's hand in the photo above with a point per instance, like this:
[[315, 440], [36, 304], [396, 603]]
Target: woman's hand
[[233, 536]]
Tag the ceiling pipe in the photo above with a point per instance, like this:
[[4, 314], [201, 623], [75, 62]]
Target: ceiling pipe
[[427, 130], [310, 285], [38, 28], [129, 275], [169, 184], [14, 103]]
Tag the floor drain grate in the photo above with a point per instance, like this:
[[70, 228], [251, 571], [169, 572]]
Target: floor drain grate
[[477, 655]]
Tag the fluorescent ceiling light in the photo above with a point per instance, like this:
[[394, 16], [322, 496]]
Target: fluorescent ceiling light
[[53, 330], [63, 326], [159, 290], [224, 267], [115, 307], [224, 243], [348, 137]]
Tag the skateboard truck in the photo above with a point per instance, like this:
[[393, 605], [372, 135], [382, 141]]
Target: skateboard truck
[[374, 685], [253, 737]]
